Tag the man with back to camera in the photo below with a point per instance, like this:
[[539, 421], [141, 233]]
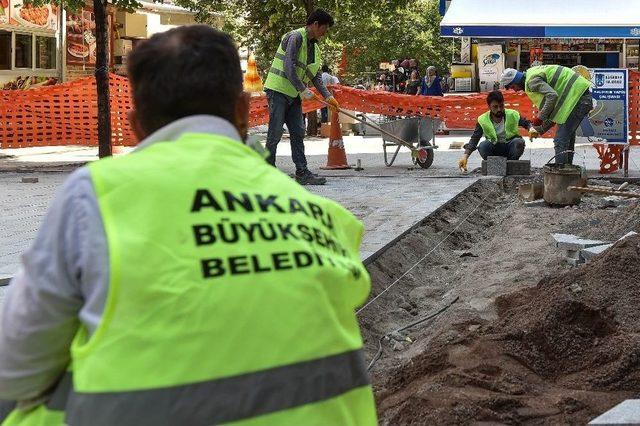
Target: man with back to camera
[[190, 282], [296, 64]]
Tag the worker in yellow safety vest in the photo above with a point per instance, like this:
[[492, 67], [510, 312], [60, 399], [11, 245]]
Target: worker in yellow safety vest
[[562, 97], [189, 282], [499, 126], [296, 64]]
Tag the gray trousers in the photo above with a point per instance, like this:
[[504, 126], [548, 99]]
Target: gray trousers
[[513, 149], [565, 139], [285, 110]]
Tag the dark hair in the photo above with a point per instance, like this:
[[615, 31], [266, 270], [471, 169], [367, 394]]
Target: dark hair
[[185, 71], [321, 16], [494, 96], [325, 68]]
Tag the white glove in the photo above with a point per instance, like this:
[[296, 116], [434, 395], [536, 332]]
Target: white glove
[[307, 94]]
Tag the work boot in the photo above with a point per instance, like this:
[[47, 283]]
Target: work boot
[[305, 177]]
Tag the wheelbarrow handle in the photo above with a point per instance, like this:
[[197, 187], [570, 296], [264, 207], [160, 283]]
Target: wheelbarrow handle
[[375, 127]]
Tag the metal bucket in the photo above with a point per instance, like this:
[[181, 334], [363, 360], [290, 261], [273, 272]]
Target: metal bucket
[[557, 178]]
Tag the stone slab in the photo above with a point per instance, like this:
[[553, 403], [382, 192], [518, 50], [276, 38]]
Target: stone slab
[[571, 242], [591, 252], [573, 254], [574, 262], [518, 167], [496, 166], [625, 413]]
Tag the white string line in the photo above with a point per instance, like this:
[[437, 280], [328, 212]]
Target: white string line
[[425, 256]]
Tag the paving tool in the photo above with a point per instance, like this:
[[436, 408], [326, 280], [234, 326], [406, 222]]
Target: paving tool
[[419, 153]]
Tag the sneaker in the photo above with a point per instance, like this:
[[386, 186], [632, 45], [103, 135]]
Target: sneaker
[[307, 178]]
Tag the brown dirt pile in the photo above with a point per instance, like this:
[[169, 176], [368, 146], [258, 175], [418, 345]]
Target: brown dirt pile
[[559, 353]]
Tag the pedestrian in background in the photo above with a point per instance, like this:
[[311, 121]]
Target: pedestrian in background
[[431, 83]]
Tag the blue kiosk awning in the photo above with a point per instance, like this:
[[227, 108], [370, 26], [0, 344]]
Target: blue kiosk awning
[[542, 18]]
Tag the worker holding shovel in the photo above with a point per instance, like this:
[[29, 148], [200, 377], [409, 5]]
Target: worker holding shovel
[[499, 126]]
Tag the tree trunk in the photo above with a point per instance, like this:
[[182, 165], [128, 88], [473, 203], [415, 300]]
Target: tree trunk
[[102, 78], [312, 123]]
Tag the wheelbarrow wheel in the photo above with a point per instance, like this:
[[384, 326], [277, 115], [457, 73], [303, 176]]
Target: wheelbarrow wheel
[[427, 161]]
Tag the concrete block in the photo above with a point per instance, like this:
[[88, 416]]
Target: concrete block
[[591, 252], [456, 145], [571, 242], [29, 180], [518, 167], [625, 413], [574, 254], [574, 262], [496, 166]]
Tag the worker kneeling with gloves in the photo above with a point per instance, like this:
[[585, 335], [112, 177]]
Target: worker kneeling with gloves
[[499, 126], [562, 96]]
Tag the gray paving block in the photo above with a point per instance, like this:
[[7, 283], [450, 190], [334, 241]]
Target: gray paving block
[[518, 167], [625, 413], [573, 254], [591, 252], [571, 242], [496, 166], [574, 262]]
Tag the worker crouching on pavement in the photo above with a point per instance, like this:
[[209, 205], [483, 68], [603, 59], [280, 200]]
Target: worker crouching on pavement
[[190, 282], [296, 63], [562, 96], [499, 126]]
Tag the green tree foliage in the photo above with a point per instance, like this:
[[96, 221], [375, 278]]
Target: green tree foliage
[[371, 31]]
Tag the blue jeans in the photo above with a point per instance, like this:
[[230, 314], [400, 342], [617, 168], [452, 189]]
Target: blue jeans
[[285, 110], [565, 139], [324, 115], [513, 149]]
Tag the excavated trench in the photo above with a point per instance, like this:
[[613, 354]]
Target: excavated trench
[[476, 317]]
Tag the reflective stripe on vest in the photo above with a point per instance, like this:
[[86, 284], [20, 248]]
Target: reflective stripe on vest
[[568, 84], [512, 118], [232, 294], [276, 78], [224, 400], [50, 413]]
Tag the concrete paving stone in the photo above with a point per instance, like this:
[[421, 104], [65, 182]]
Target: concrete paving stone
[[572, 242], [573, 254], [574, 262], [496, 166], [536, 203], [591, 252], [625, 413], [518, 167]]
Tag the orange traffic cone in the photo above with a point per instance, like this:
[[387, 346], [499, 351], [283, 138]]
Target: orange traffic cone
[[252, 80], [337, 157]]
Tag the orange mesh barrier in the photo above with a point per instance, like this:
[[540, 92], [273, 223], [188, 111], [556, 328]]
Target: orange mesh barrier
[[65, 114]]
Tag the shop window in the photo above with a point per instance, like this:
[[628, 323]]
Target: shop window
[[45, 52], [5, 50], [24, 50]]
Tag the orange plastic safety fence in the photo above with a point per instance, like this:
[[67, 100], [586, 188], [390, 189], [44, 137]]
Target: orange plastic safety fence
[[64, 114], [610, 156]]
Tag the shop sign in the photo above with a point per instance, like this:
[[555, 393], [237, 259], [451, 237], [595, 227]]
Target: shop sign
[[610, 116]]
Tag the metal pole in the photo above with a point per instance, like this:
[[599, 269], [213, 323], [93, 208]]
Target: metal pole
[[626, 154]]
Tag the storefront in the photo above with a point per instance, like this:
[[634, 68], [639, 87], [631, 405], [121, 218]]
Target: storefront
[[29, 44], [593, 33], [36, 50]]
